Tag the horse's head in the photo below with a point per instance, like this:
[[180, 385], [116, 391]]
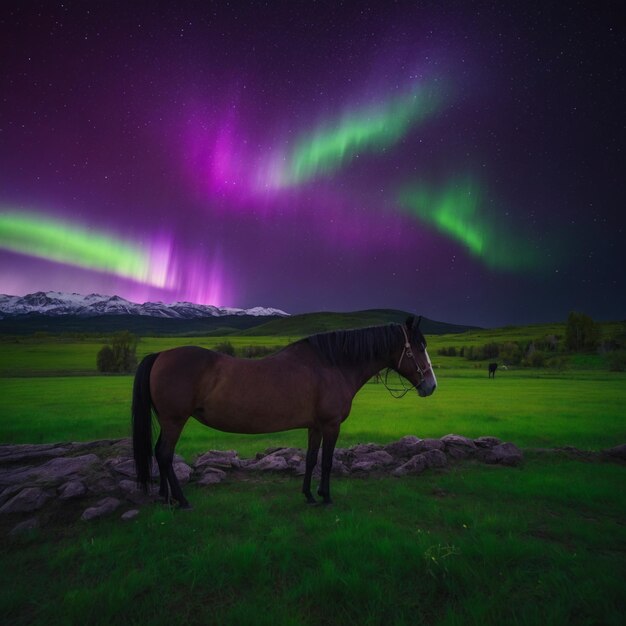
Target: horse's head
[[414, 363]]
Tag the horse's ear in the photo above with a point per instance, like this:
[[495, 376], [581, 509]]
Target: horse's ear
[[419, 321], [409, 322]]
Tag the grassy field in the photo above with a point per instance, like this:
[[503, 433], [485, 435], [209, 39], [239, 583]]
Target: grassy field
[[456, 547], [472, 544]]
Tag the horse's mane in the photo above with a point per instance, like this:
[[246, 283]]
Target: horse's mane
[[342, 347]]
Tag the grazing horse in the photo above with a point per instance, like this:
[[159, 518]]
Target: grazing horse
[[492, 370], [309, 384]]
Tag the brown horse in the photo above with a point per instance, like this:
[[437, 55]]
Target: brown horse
[[309, 384]]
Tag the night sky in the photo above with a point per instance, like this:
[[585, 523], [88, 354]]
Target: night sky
[[461, 160]]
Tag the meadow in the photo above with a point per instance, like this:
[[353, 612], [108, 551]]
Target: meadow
[[544, 543]]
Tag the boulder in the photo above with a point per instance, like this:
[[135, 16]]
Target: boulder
[[269, 463], [212, 476], [503, 454], [224, 459], [617, 453], [72, 489], [28, 499], [487, 442], [126, 467], [129, 486], [428, 444], [103, 507], [130, 514], [66, 466], [365, 448], [183, 472], [29, 452], [458, 447], [415, 465], [372, 460], [435, 458], [404, 447]]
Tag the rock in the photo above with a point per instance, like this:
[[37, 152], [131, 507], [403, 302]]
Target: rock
[[28, 524], [105, 484], [616, 453], [60, 468], [487, 442], [72, 489], [503, 454], [415, 465], [126, 467], [225, 459], [130, 514], [458, 447], [28, 452], [339, 454], [9, 492], [372, 460], [365, 448], [183, 472], [129, 486], [435, 458], [15, 476], [362, 466], [404, 447], [270, 463], [103, 507], [28, 499], [428, 444], [212, 476]]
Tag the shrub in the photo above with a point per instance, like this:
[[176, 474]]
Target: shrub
[[257, 352], [510, 353], [581, 332], [451, 351], [120, 355], [535, 359], [225, 348], [105, 361]]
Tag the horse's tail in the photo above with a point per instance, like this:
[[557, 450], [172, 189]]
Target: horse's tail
[[142, 420]]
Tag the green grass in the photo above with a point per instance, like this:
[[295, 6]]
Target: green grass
[[586, 412], [454, 547], [472, 544]]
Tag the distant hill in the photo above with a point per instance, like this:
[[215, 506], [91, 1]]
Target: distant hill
[[142, 325], [311, 323], [240, 325]]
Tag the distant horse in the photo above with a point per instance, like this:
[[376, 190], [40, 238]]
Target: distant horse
[[309, 384], [492, 370]]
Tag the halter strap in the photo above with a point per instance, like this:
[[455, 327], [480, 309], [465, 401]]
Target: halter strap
[[409, 353]]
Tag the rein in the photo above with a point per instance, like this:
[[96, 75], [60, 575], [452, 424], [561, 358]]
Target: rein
[[406, 350]]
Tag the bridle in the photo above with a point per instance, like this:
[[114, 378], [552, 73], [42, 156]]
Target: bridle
[[408, 352]]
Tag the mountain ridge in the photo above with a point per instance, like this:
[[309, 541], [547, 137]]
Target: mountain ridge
[[58, 303]]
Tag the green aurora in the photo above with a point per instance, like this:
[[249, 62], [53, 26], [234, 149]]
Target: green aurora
[[56, 240], [370, 128], [458, 210]]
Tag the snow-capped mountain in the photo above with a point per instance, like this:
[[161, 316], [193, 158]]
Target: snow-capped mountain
[[55, 303]]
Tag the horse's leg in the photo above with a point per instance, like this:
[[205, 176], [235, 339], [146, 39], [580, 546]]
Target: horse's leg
[[170, 433], [328, 448], [163, 468], [315, 438]]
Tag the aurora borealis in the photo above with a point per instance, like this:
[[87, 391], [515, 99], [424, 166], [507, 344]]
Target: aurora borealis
[[462, 162]]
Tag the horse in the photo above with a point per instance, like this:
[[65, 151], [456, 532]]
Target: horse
[[308, 384], [492, 370]]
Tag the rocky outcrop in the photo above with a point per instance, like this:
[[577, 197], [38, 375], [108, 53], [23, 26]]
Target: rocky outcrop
[[97, 479]]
